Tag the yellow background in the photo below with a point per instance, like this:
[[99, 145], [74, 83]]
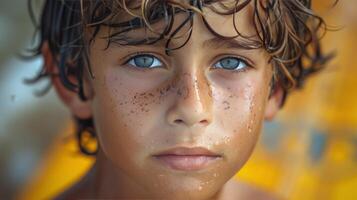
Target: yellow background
[[323, 115]]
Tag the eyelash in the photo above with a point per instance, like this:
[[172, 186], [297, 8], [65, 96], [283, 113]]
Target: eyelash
[[131, 58], [142, 54], [239, 59]]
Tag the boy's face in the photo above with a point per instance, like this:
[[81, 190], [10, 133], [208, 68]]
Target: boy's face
[[209, 94]]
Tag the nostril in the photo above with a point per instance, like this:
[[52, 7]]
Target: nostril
[[178, 121], [204, 122]]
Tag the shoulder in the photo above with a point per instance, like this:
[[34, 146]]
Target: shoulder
[[80, 190], [241, 190]]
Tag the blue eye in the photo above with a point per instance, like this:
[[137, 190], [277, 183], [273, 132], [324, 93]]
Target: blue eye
[[145, 61], [231, 63]]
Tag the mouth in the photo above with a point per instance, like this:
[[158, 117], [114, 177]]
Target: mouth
[[187, 159]]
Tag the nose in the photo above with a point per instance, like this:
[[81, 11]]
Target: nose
[[192, 103]]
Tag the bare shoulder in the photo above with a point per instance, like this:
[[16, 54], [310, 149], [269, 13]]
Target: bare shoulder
[[241, 190]]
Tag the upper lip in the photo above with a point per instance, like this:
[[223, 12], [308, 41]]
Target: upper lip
[[188, 151]]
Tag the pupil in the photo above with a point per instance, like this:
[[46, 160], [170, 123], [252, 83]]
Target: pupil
[[229, 63], [144, 61]]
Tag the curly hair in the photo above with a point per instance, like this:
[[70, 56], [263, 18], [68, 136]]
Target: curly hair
[[288, 30]]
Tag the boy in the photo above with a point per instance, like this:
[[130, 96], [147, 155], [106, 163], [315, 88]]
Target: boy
[[174, 91]]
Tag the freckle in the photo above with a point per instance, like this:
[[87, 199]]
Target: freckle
[[132, 111], [227, 105]]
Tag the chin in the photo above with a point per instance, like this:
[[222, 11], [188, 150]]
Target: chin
[[187, 186]]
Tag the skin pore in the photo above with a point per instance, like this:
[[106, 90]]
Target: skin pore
[[190, 98]]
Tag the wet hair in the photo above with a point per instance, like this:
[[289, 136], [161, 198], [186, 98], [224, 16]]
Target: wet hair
[[288, 30]]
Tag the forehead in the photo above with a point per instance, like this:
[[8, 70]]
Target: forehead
[[140, 20], [154, 10]]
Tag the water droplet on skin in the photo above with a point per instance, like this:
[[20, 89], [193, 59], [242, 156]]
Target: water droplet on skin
[[200, 188], [249, 130], [210, 93], [226, 139], [215, 175]]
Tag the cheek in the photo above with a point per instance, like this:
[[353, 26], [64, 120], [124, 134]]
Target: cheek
[[121, 115], [239, 112]]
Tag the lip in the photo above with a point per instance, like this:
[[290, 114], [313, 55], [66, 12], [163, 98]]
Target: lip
[[187, 159]]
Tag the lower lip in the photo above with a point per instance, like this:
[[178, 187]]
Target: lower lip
[[187, 162]]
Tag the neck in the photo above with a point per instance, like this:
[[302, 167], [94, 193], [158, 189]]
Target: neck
[[109, 182]]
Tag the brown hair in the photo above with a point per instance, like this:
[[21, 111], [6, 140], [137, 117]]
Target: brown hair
[[288, 30]]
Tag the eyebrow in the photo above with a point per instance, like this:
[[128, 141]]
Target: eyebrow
[[221, 43], [231, 43]]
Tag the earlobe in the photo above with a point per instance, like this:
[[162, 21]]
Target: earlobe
[[81, 109], [274, 103]]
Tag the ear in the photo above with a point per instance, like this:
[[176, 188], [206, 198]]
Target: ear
[[274, 102], [80, 109]]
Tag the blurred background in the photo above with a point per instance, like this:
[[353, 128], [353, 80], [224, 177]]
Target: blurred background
[[308, 152]]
